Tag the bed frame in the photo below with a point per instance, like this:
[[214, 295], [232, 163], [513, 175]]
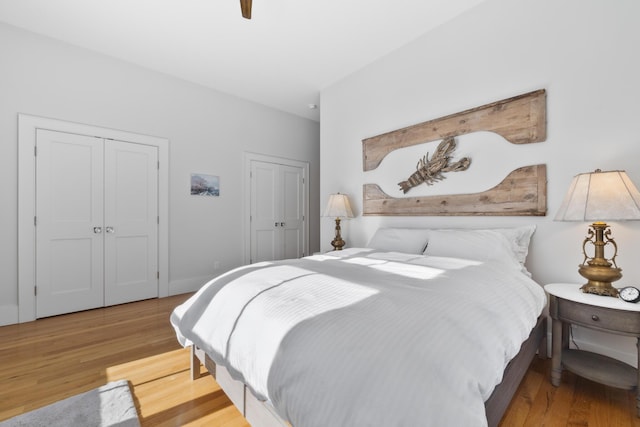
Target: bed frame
[[261, 414]]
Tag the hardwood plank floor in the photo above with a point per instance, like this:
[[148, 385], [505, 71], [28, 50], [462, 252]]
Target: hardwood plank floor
[[50, 359]]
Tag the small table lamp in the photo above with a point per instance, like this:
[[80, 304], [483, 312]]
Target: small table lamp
[[338, 207], [600, 196]]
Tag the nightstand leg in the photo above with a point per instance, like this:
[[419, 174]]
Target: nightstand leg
[[556, 352], [638, 383], [566, 333]]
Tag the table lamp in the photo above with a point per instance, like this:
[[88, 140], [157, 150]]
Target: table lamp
[[338, 207], [600, 196]]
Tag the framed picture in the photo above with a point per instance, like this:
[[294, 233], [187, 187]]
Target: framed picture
[[205, 185]]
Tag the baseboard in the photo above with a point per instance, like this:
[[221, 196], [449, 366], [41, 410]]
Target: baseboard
[[8, 314], [183, 286]]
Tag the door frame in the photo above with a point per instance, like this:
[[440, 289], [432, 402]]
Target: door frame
[[27, 126], [246, 208]]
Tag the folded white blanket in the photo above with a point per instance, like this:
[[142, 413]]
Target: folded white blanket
[[366, 338]]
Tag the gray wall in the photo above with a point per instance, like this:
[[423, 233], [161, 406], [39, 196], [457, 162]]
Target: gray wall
[[208, 132]]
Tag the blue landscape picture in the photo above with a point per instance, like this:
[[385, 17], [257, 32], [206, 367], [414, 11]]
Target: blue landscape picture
[[205, 185]]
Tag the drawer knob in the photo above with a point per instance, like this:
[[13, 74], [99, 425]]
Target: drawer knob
[[595, 318]]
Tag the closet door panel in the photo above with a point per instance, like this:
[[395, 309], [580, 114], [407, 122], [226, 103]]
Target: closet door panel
[[292, 211], [265, 212], [131, 222], [69, 212]]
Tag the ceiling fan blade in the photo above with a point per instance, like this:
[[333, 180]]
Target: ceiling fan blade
[[245, 5]]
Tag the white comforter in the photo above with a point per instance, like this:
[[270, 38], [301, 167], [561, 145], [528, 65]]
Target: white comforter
[[366, 338]]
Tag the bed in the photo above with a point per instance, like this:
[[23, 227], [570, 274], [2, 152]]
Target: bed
[[421, 327]]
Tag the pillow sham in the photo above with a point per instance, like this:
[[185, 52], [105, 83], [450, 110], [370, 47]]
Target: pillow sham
[[519, 237], [407, 240], [478, 245]]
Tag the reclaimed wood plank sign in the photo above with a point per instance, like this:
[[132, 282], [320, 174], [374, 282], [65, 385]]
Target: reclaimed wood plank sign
[[522, 192], [520, 120]]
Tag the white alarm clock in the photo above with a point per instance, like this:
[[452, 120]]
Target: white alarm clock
[[629, 294]]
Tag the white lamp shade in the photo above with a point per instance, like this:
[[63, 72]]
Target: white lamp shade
[[600, 196], [338, 207]]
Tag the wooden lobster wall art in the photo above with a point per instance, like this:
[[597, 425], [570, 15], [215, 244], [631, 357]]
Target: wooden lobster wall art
[[520, 120]]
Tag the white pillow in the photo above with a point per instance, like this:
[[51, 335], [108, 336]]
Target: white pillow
[[519, 237], [407, 240], [478, 245]]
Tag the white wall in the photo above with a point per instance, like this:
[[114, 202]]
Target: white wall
[[208, 132], [583, 52]]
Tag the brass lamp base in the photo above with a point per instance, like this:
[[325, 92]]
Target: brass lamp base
[[598, 270], [599, 280], [605, 291], [600, 288], [338, 243]]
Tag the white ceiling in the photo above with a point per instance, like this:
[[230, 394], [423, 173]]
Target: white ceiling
[[282, 57]]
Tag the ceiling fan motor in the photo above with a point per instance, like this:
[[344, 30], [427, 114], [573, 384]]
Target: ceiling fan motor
[[245, 5]]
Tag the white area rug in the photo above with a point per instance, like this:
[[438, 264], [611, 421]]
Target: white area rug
[[108, 406]]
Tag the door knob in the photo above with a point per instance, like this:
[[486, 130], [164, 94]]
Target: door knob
[[110, 230], [282, 224], [97, 230], [276, 224]]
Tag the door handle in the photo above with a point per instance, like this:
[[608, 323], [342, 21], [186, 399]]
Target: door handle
[[110, 230], [276, 224], [97, 230], [282, 224]]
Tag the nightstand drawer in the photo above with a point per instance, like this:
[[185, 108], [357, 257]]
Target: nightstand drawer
[[618, 321]]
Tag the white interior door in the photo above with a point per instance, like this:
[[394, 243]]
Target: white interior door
[[265, 215], [292, 205], [277, 211], [131, 222], [69, 216]]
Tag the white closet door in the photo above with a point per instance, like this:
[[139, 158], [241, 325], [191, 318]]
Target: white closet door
[[277, 211], [69, 212], [292, 227], [265, 213], [131, 222]]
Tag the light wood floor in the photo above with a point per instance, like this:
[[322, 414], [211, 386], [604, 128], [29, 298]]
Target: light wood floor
[[50, 359]]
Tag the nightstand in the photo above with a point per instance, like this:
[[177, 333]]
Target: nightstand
[[568, 305]]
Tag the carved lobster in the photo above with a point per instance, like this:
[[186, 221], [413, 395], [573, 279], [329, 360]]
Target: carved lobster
[[430, 171]]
